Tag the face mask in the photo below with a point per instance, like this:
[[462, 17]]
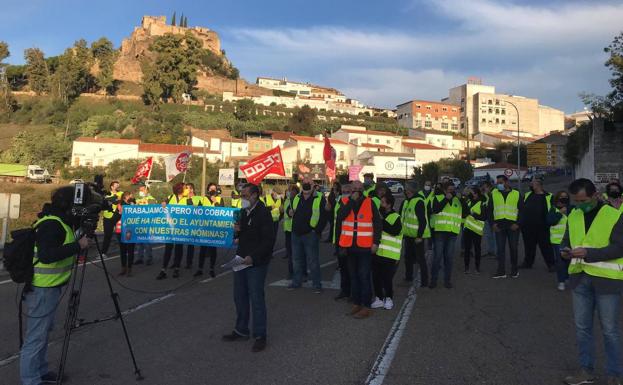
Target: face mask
[[426, 188], [141, 194], [306, 186], [564, 201], [245, 204], [367, 183], [212, 193], [614, 194], [346, 195], [500, 186], [586, 206], [355, 195]]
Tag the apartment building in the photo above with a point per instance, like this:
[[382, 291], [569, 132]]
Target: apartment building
[[428, 115]]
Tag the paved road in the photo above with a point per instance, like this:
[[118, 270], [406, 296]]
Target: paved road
[[483, 331]]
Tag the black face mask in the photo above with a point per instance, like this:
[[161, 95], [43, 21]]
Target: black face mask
[[614, 194], [306, 186], [212, 193], [564, 201]]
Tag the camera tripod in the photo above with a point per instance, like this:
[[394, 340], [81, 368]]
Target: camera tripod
[[72, 321]]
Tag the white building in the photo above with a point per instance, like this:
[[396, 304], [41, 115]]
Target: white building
[[219, 141], [358, 135], [392, 165], [310, 150], [160, 151], [99, 152], [425, 153]]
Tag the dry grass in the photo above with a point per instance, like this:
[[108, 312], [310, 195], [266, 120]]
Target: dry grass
[[9, 130], [33, 196]]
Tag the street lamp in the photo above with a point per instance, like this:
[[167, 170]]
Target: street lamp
[[518, 148]]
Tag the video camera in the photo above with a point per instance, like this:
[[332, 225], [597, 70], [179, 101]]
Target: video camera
[[89, 200]]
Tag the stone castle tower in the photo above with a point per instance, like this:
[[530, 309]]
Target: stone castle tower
[[128, 67]]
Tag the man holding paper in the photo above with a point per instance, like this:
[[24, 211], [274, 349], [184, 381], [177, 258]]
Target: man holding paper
[[255, 242]]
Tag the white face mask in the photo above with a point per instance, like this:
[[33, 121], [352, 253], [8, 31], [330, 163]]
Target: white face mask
[[141, 193], [245, 203], [426, 188]]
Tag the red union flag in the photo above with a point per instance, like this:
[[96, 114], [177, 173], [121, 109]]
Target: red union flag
[[329, 155], [143, 170], [269, 162]]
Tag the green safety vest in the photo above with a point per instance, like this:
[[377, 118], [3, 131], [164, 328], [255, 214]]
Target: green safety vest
[[236, 203], [449, 219], [315, 218], [377, 202], [410, 223], [274, 205], [369, 190], [174, 201], [548, 199], [475, 225], [109, 213], [505, 209], [597, 237], [557, 231], [287, 221], [56, 273], [145, 200], [390, 244], [433, 217]]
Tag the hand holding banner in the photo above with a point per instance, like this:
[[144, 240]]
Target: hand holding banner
[[269, 162]]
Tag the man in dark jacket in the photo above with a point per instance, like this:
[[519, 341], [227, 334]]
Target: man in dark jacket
[[55, 252], [255, 244], [360, 226], [533, 225]]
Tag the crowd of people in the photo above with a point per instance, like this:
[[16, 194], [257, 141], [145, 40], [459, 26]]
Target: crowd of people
[[582, 244]]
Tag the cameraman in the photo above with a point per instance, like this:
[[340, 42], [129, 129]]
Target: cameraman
[[111, 217], [55, 252]]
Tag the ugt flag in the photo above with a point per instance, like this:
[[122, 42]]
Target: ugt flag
[[269, 162], [143, 170], [176, 164]]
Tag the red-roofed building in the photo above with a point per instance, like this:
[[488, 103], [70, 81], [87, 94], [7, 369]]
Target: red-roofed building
[[358, 136], [158, 151], [99, 152], [310, 149]]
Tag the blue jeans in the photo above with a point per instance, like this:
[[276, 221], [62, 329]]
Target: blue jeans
[[41, 304], [489, 237], [562, 265], [144, 250], [305, 250], [444, 250], [608, 306], [359, 267], [249, 296]]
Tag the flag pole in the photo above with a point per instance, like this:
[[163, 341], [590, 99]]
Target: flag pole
[[150, 168], [203, 172]]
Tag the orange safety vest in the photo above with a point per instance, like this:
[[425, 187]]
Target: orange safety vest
[[362, 225]]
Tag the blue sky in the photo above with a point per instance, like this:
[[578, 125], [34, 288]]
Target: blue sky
[[380, 52]]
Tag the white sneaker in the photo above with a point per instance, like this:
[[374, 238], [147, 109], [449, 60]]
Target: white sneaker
[[377, 303], [561, 286], [389, 304]]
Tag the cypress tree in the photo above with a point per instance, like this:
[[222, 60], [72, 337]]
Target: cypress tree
[[182, 20], [173, 19]]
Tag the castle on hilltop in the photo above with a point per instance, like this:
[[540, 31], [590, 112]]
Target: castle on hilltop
[[128, 66], [152, 26]]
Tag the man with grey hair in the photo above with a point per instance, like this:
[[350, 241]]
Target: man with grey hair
[[415, 226]]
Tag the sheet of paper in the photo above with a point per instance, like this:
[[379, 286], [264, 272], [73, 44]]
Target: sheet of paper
[[236, 264]]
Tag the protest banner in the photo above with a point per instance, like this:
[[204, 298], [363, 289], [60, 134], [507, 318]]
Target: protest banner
[[192, 225]]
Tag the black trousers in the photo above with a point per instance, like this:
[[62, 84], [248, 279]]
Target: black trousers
[[204, 252], [126, 251], [474, 240], [179, 253], [288, 236], [109, 229], [275, 230], [415, 253], [533, 236], [190, 254], [342, 262], [383, 270]]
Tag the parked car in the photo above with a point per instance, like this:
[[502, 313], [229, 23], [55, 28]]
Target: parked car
[[477, 181], [455, 181], [394, 186], [532, 174]]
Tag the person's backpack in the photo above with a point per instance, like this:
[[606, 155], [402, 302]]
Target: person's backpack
[[18, 255]]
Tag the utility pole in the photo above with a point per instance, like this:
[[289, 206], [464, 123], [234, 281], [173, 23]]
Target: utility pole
[[203, 172]]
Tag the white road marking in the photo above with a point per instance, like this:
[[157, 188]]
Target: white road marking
[[388, 351]]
